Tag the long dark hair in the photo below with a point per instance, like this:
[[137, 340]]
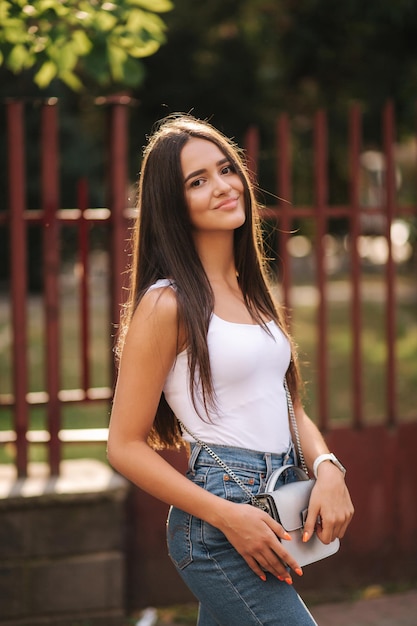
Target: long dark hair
[[163, 247]]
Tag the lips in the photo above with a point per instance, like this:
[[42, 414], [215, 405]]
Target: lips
[[227, 205]]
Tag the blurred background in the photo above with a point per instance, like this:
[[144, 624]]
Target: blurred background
[[240, 65], [323, 98]]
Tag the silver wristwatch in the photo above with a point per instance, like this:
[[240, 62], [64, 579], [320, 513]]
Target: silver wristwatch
[[328, 457]]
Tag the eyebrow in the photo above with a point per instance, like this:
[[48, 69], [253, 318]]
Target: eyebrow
[[199, 172]]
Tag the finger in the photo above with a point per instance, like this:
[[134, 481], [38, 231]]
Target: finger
[[334, 528], [276, 560], [282, 533], [255, 567], [285, 560], [263, 565], [340, 530], [343, 529], [326, 535], [328, 532], [272, 557], [277, 567], [310, 524], [347, 521], [278, 529]]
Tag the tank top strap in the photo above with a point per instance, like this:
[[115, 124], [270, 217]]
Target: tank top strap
[[162, 282]]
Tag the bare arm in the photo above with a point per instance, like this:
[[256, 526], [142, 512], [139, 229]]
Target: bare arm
[[148, 355], [330, 498]]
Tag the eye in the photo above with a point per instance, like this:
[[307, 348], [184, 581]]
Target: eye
[[228, 169], [197, 183]]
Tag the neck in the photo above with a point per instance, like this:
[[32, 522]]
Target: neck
[[217, 256]]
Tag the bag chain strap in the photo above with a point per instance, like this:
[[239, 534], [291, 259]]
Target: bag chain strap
[[223, 465], [228, 470], [293, 422]]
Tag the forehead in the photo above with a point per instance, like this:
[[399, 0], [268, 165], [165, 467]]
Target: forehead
[[200, 153]]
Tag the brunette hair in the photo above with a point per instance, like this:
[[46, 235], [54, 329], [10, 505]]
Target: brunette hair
[[163, 247]]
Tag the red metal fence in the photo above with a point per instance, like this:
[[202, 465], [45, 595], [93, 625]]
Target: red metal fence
[[17, 219], [321, 211]]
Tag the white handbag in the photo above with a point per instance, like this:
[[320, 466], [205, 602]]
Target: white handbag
[[288, 505]]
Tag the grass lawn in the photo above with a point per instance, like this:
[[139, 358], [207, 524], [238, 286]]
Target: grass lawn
[[374, 355]]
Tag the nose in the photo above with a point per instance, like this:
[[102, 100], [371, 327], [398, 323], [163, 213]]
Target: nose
[[221, 185]]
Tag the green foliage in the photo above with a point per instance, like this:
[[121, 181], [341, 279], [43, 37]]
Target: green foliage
[[79, 40]]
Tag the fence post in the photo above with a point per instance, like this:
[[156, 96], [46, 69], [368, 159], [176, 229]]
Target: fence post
[[390, 195], [355, 132], [83, 244], [284, 199], [18, 254], [117, 200], [321, 199], [51, 246]]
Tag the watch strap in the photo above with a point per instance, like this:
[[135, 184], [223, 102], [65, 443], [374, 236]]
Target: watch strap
[[327, 457]]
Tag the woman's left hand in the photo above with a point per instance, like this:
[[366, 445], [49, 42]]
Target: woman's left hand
[[330, 509]]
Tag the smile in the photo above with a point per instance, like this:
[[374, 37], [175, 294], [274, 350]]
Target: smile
[[227, 205]]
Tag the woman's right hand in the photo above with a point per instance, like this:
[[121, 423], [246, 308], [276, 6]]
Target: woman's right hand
[[254, 534]]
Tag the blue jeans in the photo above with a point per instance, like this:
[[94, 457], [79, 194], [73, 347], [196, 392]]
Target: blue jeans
[[229, 592]]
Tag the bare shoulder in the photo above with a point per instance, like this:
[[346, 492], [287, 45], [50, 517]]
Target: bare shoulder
[[158, 307], [147, 356], [155, 319]]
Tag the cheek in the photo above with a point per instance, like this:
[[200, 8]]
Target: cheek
[[240, 187], [197, 201], [196, 207]]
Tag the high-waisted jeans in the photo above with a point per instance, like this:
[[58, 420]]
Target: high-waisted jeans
[[229, 592]]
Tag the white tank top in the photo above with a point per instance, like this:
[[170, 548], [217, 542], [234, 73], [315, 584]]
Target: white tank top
[[248, 366]]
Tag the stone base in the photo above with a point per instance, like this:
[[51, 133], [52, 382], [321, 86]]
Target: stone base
[[62, 546]]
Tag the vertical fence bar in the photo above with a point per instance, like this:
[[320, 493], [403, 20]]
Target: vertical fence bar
[[284, 200], [390, 197], [83, 241], [17, 190], [50, 203], [320, 172], [117, 190], [355, 136]]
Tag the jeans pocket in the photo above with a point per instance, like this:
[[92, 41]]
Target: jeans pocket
[[234, 492], [179, 537]]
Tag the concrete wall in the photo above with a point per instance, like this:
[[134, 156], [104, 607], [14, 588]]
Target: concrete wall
[[62, 546]]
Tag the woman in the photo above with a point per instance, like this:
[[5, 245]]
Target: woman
[[203, 341]]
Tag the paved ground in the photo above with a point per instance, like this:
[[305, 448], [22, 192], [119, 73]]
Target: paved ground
[[398, 609]]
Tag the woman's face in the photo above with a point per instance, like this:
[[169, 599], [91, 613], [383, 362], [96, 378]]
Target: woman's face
[[214, 191]]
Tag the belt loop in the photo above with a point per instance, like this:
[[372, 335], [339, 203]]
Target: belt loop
[[195, 451], [288, 454], [268, 462]]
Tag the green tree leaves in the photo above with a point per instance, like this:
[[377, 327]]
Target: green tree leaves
[[78, 40]]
